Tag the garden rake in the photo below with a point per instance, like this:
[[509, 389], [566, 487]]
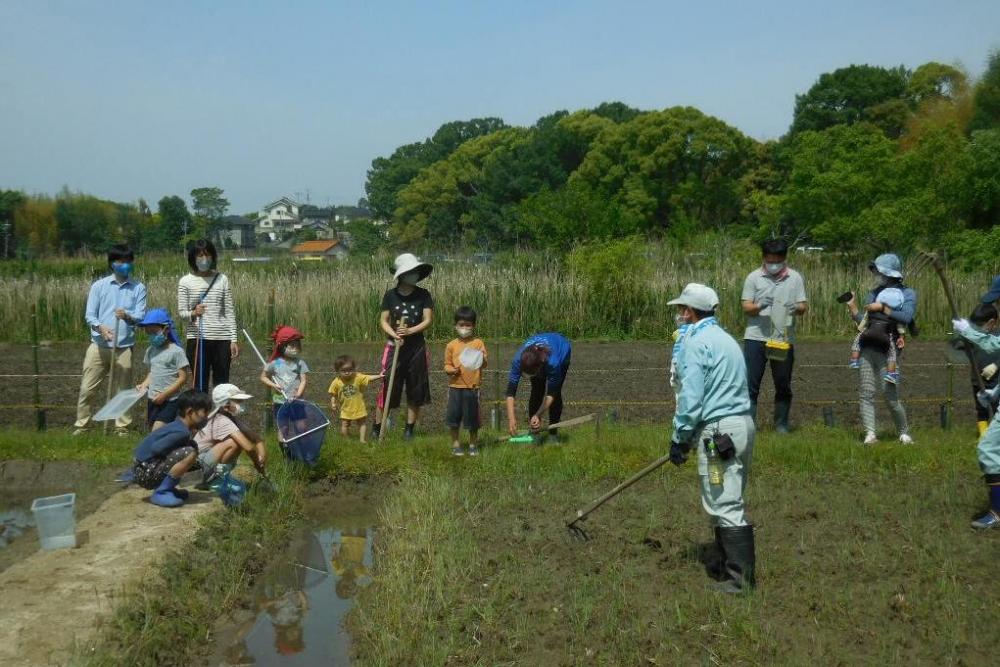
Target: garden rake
[[573, 525], [392, 384], [934, 259]]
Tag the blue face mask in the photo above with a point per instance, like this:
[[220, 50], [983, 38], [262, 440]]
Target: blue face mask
[[158, 340], [122, 268]]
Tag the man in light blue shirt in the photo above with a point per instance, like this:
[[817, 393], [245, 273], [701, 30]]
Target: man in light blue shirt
[[115, 303], [713, 415]]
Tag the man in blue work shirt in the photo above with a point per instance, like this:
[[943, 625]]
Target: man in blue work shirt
[[545, 359], [115, 303], [713, 415]]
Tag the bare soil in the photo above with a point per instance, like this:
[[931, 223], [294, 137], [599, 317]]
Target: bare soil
[[625, 381], [53, 600]]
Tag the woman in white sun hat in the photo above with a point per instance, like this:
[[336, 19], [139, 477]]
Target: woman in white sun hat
[[407, 311]]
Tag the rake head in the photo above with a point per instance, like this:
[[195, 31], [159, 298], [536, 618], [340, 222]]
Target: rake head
[[576, 531]]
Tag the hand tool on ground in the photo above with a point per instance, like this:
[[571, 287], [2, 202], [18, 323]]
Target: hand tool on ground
[[383, 427], [577, 531], [566, 423]]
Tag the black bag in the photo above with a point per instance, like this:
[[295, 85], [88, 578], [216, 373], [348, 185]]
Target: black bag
[[877, 335]]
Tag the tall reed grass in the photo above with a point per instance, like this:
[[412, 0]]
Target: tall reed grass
[[516, 294]]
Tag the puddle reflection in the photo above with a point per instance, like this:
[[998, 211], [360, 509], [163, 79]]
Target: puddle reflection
[[301, 602], [13, 524]]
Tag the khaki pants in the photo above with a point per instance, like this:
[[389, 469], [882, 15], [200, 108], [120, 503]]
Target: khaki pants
[[95, 367], [724, 503]]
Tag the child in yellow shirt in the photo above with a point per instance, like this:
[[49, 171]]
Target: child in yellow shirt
[[348, 391], [464, 359]]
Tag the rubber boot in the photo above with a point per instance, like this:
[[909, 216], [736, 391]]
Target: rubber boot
[[992, 517], [753, 411], [408, 431], [738, 545], [163, 495], [781, 410], [982, 426], [717, 567], [376, 429]]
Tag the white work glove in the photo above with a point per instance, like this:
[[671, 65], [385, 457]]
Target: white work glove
[[961, 326], [988, 372], [987, 397], [792, 309]]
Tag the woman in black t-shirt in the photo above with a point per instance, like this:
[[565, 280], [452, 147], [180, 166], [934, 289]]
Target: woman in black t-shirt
[[407, 310]]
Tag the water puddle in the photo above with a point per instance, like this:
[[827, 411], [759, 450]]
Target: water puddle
[[14, 523], [300, 602]]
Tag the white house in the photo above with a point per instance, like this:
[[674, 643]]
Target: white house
[[277, 218]]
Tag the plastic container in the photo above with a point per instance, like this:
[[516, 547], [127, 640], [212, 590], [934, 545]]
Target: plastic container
[[55, 518]]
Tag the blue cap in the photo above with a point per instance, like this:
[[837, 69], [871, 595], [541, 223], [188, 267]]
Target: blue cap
[[160, 317], [994, 292], [888, 265]]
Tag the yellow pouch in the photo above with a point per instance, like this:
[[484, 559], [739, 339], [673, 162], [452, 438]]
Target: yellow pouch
[[777, 350]]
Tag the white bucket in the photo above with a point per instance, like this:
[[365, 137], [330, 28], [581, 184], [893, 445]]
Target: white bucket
[[55, 518]]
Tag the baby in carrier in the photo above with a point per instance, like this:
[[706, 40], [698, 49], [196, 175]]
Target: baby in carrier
[[879, 331]]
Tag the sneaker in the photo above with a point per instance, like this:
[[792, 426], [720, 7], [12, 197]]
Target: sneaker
[[473, 450], [126, 476], [892, 377], [870, 438], [906, 439], [989, 520], [854, 363], [457, 451]]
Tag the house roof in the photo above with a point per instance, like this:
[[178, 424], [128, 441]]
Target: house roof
[[316, 246], [237, 220], [284, 201]]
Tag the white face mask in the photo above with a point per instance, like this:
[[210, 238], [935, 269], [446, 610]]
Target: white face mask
[[203, 263], [680, 320], [774, 268], [291, 352], [410, 278], [464, 332], [236, 408]]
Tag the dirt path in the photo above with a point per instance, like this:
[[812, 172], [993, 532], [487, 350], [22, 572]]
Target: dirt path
[[54, 599]]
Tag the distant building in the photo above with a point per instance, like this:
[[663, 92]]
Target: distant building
[[278, 218], [317, 251], [238, 232]]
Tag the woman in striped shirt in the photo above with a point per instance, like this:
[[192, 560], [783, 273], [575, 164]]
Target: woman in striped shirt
[[205, 301]]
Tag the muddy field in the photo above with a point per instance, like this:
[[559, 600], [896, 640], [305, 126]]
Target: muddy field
[[624, 381]]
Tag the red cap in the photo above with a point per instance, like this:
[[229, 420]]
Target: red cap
[[282, 336]]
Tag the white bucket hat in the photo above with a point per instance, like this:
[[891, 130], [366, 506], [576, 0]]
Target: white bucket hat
[[409, 262], [697, 296], [224, 393]]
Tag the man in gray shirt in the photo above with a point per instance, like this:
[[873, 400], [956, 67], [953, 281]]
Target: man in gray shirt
[[773, 296]]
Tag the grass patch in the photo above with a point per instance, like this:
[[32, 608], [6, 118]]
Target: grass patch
[[864, 556]]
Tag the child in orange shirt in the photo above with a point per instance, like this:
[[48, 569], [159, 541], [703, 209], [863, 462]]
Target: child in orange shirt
[[464, 359]]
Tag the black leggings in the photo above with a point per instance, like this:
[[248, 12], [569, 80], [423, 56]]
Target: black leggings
[[215, 356], [538, 386]]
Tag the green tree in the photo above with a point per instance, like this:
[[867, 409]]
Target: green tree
[[84, 222], [986, 98], [209, 206], [10, 201], [35, 226], [671, 168], [849, 95], [175, 221], [366, 237], [390, 175]]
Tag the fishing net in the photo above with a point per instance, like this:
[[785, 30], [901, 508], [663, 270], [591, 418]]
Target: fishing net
[[302, 428]]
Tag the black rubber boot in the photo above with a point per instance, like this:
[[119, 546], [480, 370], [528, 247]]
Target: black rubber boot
[[738, 546], [716, 566], [753, 411], [781, 411], [376, 429]]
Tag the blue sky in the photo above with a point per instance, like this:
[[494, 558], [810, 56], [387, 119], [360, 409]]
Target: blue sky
[[140, 99]]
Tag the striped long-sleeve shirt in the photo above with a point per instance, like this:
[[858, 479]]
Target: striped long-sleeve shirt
[[220, 315]]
